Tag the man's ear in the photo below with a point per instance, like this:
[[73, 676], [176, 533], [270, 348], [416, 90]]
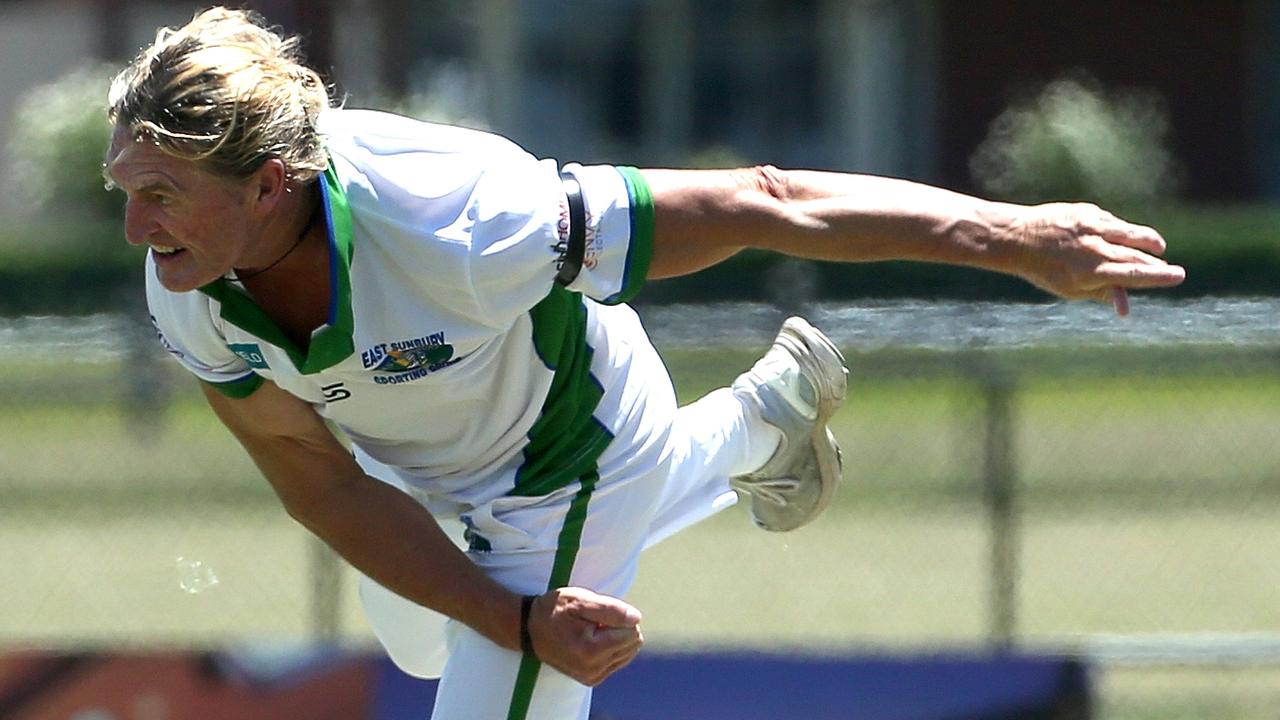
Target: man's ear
[[268, 185]]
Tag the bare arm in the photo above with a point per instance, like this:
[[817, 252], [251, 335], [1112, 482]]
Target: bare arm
[[395, 541], [1075, 251]]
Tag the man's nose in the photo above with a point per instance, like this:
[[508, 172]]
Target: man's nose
[[138, 225]]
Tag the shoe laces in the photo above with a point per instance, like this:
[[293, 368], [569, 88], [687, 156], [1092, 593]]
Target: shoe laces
[[774, 490]]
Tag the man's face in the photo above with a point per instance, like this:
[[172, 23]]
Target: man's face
[[197, 224]]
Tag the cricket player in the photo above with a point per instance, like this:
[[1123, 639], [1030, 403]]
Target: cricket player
[[457, 309]]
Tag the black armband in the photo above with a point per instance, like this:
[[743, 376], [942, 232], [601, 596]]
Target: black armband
[[575, 248]]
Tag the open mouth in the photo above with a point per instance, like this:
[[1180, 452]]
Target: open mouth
[[165, 250]]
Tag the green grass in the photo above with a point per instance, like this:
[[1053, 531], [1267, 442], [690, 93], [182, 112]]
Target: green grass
[[906, 578], [102, 449], [115, 578], [1147, 503], [1189, 693]]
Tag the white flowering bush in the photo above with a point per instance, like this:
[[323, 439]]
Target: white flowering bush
[[1073, 141], [60, 134]]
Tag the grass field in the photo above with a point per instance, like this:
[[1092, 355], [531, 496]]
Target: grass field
[[1147, 503]]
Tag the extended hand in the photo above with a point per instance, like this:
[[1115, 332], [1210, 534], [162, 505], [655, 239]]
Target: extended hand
[[1079, 251], [584, 635]]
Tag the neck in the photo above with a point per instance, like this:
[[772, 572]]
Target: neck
[[293, 288], [285, 234]]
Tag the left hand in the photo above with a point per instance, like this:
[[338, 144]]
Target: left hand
[[1079, 251]]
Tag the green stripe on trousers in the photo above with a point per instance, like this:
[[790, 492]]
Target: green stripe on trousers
[[561, 568]]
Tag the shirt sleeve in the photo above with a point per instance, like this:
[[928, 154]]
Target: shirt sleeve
[[521, 230], [619, 232], [185, 324]]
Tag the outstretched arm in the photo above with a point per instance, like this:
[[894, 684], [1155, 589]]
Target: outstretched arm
[[1073, 250], [395, 541]]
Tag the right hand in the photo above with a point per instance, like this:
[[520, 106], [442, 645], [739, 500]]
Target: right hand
[[1079, 251], [583, 634]]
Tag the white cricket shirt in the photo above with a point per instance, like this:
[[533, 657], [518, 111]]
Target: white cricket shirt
[[450, 353]]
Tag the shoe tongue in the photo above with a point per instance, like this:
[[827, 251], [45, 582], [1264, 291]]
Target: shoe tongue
[[806, 390], [795, 387]]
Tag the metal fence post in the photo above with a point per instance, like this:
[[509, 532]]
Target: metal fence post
[[999, 489], [326, 592]]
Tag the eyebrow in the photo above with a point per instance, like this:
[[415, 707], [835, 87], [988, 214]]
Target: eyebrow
[[149, 186]]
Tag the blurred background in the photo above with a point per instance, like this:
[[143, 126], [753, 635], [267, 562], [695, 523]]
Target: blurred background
[[1025, 478]]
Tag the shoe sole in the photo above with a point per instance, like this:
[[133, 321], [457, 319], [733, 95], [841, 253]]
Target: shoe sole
[[822, 361]]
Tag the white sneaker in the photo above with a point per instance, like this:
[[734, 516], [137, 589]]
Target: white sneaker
[[797, 386]]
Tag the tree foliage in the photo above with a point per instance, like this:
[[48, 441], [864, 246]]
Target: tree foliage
[[1075, 141], [60, 133]]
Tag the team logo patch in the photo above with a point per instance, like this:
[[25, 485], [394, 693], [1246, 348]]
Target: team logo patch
[[250, 353], [408, 359]]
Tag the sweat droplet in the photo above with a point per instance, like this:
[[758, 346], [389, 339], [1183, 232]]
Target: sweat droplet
[[194, 576]]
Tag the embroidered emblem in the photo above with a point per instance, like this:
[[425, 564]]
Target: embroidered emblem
[[408, 360]]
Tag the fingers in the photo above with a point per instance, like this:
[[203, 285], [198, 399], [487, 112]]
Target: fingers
[[1139, 237], [1137, 275], [1120, 301], [1133, 264], [1117, 278], [1093, 220], [600, 652], [1078, 251], [608, 611], [583, 634], [619, 645], [619, 661], [617, 637]]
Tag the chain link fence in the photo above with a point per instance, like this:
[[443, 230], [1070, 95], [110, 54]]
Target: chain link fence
[[1122, 504]]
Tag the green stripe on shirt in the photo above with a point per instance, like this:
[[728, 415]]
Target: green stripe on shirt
[[640, 249], [566, 440]]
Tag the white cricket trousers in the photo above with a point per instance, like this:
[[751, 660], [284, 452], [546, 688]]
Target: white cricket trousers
[[587, 534]]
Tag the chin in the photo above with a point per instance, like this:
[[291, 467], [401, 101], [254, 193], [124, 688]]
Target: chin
[[173, 280]]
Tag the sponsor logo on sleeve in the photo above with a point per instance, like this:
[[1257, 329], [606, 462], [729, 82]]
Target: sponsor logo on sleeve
[[250, 353], [591, 244]]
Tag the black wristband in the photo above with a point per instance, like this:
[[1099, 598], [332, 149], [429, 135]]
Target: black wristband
[[526, 642]]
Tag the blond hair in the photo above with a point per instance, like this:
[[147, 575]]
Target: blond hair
[[227, 92]]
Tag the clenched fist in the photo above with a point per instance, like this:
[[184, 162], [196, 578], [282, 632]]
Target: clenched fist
[[583, 634]]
